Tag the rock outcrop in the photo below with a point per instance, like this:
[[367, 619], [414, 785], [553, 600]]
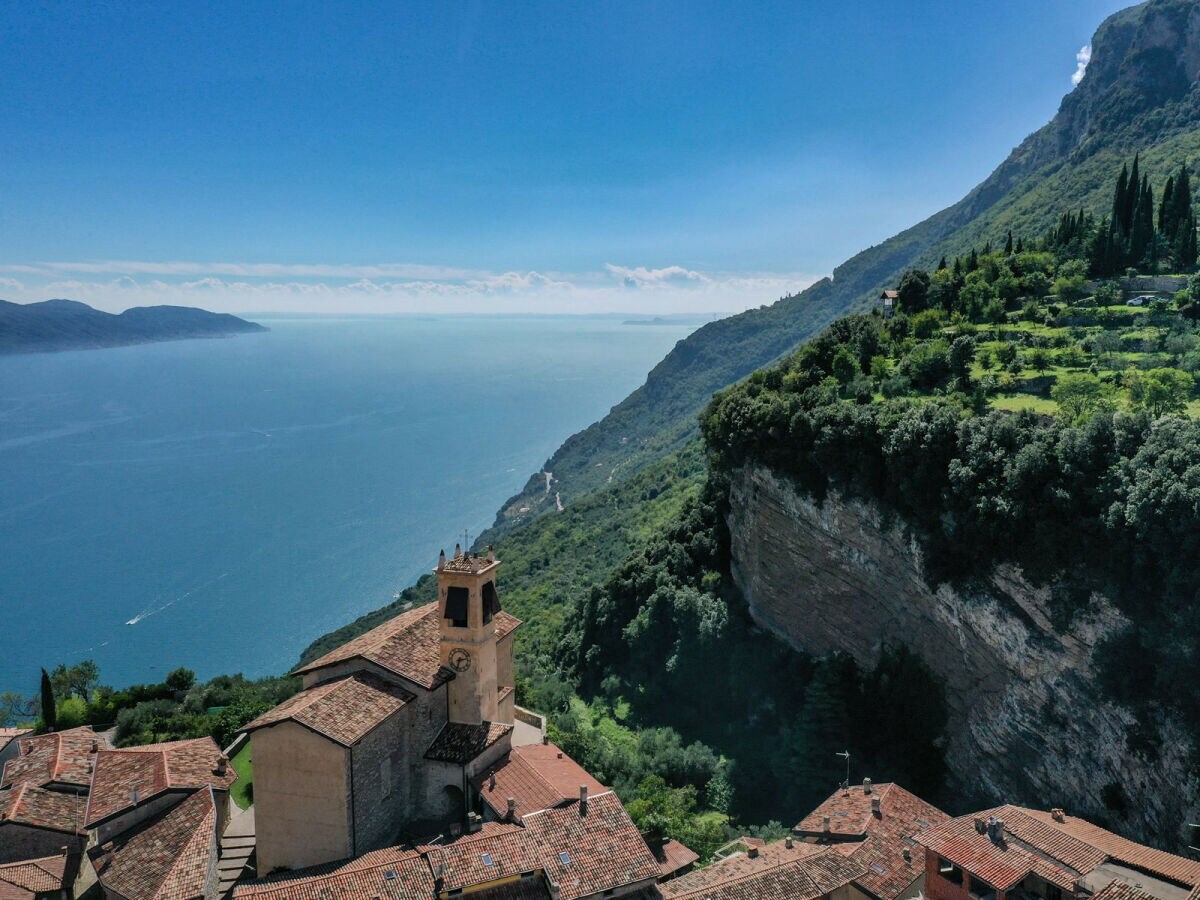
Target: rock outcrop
[[1028, 724]]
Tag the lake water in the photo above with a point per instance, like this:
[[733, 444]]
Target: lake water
[[219, 504]]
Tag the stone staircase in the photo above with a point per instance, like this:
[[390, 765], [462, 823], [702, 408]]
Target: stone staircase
[[237, 851]]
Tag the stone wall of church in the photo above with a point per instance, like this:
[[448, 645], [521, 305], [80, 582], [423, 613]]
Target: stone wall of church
[[380, 771], [427, 781]]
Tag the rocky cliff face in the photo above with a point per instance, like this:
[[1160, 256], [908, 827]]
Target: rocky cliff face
[[1027, 723]]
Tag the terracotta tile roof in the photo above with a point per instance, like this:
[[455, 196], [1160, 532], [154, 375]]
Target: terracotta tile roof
[[604, 849], [472, 564], [150, 770], [672, 857], [29, 804], [345, 710], [498, 850], [799, 874], [537, 776], [409, 645], [767, 856], [459, 743], [390, 874], [166, 858], [1120, 890], [34, 876], [525, 889], [1138, 856], [1003, 865], [63, 757], [8, 735], [877, 840]]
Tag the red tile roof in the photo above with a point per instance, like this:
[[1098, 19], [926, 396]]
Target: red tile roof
[[498, 850], [459, 743], [150, 770], [804, 872], [28, 804], [1120, 890], [604, 848], [583, 855], [33, 876], [537, 776], [1139, 856], [877, 840], [408, 645], [1007, 863], [344, 710], [168, 857], [673, 857], [62, 757], [390, 874]]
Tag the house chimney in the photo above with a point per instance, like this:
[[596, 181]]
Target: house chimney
[[877, 806], [95, 746], [752, 852], [825, 822], [512, 809], [866, 785], [457, 550], [545, 739], [980, 825], [441, 560], [787, 842], [999, 831], [583, 800], [491, 554], [474, 822], [907, 852], [222, 764], [560, 754], [492, 780], [1057, 814]]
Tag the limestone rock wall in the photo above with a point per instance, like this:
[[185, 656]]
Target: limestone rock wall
[[1027, 723]]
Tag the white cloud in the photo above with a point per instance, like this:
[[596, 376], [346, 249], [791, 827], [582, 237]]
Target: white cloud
[[1082, 58], [397, 288]]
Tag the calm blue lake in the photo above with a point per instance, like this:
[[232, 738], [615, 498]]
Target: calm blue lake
[[219, 504]]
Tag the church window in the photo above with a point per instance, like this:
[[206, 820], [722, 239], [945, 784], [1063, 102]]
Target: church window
[[457, 599]]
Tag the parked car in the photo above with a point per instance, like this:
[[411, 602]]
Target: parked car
[[1144, 300]]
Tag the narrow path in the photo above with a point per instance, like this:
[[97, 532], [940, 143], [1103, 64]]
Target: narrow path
[[237, 850]]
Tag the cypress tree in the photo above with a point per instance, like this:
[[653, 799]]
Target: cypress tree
[[1166, 209], [1132, 197], [1020, 245], [49, 709], [1186, 253], [987, 248], [1120, 197], [957, 268], [973, 261], [1141, 236], [1008, 245], [942, 264]]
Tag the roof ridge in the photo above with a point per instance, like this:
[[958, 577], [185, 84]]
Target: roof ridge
[[166, 768]]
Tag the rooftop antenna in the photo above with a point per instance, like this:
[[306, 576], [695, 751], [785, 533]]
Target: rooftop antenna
[[466, 541], [845, 753]]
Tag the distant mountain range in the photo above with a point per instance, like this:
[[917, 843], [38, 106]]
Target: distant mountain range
[[70, 325]]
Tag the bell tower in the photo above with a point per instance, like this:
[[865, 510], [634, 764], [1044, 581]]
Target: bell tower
[[467, 604]]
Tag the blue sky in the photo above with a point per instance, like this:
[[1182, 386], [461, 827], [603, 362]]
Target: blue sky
[[562, 156]]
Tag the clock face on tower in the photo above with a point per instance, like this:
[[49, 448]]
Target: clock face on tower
[[460, 659]]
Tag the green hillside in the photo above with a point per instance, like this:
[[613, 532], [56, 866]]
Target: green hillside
[[1139, 94]]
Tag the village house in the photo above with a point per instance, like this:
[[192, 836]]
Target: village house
[[154, 815], [889, 299], [43, 798], [874, 825], [1014, 853]]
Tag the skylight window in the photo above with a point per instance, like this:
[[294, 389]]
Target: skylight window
[[487, 860], [390, 875], [922, 823], [564, 858], [878, 869]]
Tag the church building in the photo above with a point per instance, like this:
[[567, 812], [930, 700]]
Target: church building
[[392, 730]]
